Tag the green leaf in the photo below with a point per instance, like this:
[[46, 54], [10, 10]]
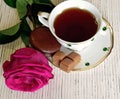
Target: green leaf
[[29, 2], [25, 39], [6, 38], [25, 32], [21, 6], [41, 7], [42, 1], [11, 3], [11, 31]]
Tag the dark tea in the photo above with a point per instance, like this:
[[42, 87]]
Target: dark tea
[[75, 25]]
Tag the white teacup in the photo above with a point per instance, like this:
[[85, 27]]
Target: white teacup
[[81, 4]]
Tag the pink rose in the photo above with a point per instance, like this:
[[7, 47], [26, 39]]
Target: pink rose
[[27, 70]]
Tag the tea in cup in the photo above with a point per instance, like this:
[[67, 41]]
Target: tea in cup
[[74, 23]]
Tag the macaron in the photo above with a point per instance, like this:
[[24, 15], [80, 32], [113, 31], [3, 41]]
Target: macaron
[[42, 39]]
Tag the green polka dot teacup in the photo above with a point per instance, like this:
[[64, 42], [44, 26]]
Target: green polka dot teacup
[[74, 23]]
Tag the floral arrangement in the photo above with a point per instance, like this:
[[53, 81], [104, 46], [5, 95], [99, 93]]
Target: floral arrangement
[[28, 69]]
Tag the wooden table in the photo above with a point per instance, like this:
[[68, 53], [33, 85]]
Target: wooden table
[[102, 82]]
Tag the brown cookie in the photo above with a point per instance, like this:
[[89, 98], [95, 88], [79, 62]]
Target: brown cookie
[[42, 39]]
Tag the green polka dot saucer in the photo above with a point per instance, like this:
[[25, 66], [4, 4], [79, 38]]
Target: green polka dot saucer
[[98, 50]]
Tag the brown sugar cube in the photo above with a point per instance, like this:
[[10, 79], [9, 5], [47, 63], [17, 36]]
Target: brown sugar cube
[[67, 64], [74, 56], [66, 70], [57, 58]]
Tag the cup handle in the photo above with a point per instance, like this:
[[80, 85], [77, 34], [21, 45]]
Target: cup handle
[[42, 17]]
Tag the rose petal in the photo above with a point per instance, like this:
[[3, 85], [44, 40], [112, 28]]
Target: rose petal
[[23, 82], [37, 65], [30, 85], [6, 66], [34, 71], [43, 69], [24, 53], [35, 60], [29, 54], [16, 75]]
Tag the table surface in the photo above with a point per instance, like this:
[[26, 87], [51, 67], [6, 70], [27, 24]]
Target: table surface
[[101, 82]]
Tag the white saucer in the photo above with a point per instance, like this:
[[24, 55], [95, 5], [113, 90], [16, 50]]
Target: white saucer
[[98, 51]]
